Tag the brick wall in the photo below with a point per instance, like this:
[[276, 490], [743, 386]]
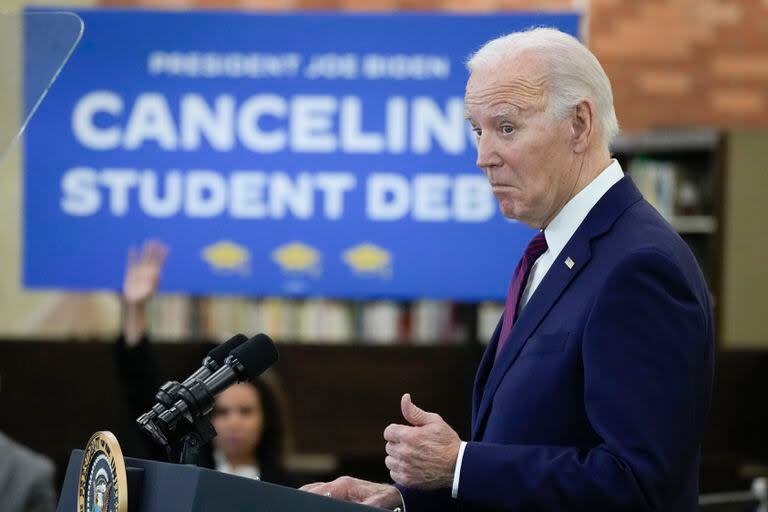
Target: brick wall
[[673, 63]]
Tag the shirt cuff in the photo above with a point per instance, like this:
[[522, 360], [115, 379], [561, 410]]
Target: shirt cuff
[[457, 473]]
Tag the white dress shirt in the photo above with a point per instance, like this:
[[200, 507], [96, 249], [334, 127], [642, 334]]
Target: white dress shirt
[[251, 471], [558, 233]]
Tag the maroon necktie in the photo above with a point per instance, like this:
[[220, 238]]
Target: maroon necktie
[[536, 247]]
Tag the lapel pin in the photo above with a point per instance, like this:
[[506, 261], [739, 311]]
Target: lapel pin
[[569, 262]]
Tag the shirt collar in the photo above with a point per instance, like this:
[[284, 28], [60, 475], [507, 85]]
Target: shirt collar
[[568, 220]]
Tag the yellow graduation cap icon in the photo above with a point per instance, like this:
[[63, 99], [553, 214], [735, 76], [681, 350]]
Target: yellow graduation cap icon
[[226, 255], [368, 258], [298, 257]]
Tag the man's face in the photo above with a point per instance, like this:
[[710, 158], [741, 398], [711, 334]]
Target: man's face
[[525, 152]]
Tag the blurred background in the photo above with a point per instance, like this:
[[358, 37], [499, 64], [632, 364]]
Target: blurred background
[[690, 80]]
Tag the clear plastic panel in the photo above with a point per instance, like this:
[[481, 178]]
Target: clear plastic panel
[[34, 47]]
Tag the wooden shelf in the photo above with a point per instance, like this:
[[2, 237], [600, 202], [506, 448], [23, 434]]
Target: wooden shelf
[[667, 141], [694, 224]]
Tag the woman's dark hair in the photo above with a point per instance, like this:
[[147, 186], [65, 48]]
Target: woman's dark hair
[[275, 440]]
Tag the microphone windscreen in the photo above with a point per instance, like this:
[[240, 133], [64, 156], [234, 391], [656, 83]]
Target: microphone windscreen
[[220, 352], [256, 355]]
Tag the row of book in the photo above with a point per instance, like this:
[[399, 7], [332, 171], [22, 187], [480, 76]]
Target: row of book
[[322, 321], [670, 188]]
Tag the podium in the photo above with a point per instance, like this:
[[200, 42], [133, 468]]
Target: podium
[[163, 487]]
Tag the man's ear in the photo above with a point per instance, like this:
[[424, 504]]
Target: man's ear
[[582, 125]]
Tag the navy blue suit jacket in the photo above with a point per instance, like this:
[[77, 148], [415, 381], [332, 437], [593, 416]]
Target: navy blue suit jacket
[[599, 399]]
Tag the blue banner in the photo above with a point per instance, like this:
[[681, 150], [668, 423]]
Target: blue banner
[[287, 155]]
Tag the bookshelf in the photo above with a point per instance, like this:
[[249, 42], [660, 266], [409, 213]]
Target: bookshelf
[[680, 173]]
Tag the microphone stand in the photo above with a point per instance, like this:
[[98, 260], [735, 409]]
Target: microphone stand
[[200, 433], [184, 442]]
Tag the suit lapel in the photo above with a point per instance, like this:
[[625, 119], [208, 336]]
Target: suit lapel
[[555, 282], [622, 195], [482, 372]]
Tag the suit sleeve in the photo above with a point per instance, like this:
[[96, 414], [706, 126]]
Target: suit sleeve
[[427, 501], [42, 496], [647, 355], [138, 381], [137, 374]]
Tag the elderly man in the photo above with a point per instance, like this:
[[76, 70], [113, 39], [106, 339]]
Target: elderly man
[[594, 390]]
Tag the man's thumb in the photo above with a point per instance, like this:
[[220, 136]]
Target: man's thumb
[[413, 414]]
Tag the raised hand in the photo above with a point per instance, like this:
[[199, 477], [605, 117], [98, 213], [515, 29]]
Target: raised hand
[[142, 273]]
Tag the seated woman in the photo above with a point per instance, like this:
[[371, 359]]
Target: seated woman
[[248, 417]]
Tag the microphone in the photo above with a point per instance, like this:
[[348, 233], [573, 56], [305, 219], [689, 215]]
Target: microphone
[[169, 392], [196, 399]]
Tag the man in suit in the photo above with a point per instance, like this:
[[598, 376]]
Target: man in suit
[[595, 387], [26, 479]]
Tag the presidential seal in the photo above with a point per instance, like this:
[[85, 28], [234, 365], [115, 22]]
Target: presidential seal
[[103, 486]]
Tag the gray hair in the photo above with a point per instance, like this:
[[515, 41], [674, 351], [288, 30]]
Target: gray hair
[[573, 72]]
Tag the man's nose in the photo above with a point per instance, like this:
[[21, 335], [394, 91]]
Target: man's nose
[[487, 156]]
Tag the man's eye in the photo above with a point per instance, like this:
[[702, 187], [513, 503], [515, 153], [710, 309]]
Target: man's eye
[[507, 129], [477, 131]]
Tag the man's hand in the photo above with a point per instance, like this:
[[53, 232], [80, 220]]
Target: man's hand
[[142, 272], [422, 456], [347, 488]]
